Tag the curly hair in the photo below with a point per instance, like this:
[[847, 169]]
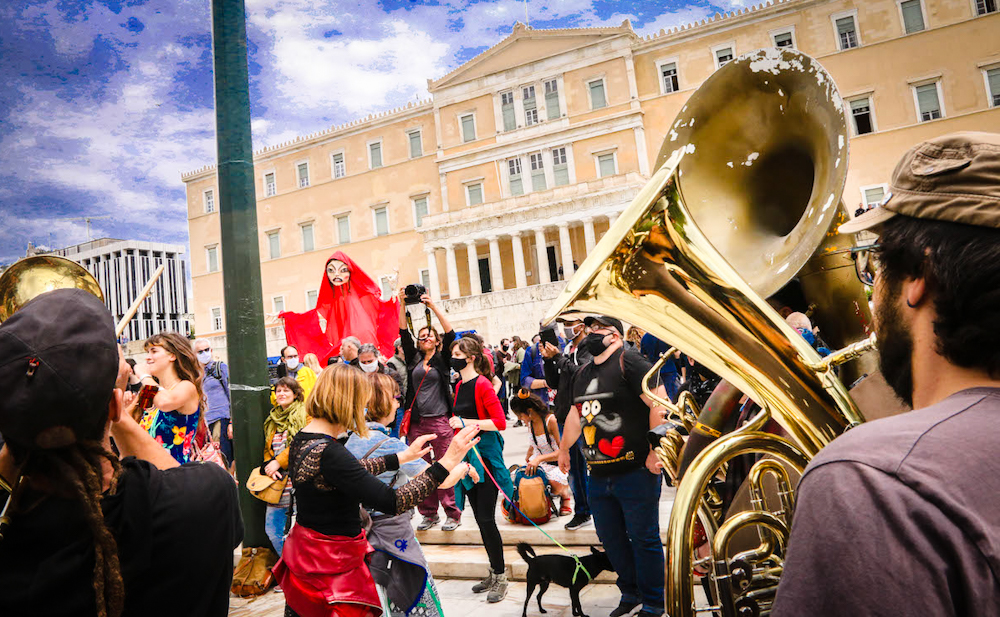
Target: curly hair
[[294, 386], [961, 266]]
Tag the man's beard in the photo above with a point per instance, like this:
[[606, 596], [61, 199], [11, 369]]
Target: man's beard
[[895, 349]]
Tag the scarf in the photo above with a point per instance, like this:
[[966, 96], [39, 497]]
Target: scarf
[[291, 419]]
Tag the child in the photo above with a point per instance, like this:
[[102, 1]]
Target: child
[[544, 448]]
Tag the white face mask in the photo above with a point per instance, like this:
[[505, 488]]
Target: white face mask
[[204, 357], [369, 367], [292, 363]]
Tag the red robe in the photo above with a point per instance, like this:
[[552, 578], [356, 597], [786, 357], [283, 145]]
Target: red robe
[[352, 309]]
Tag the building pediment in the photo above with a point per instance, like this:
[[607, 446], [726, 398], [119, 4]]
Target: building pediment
[[525, 45]]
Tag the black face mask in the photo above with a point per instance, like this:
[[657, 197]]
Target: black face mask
[[459, 363], [594, 344]]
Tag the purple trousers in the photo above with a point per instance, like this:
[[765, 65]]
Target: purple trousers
[[444, 497]]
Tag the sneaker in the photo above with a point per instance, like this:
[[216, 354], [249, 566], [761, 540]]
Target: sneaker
[[484, 585], [427, 523], [451, 524], [277, 589], [624, 608], [579, 521], [499, 589]]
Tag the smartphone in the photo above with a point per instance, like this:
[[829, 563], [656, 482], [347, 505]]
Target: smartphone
[[146, 395], [549, 336]]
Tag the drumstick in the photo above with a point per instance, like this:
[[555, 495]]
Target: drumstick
[[138, 301]]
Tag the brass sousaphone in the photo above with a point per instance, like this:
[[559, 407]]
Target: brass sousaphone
[[747, 186]]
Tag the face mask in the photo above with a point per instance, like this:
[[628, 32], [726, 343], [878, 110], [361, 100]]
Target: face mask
[[292, 363], [204, 357], [571, 332], [594, 343], [459, 363], [369, 367]]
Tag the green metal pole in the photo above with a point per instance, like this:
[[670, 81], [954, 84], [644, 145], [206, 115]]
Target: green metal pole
[[240, 255]]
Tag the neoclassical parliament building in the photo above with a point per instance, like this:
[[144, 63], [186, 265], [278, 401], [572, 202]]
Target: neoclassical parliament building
[[492, 191]]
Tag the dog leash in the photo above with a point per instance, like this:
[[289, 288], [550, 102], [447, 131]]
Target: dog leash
[[579, 564]]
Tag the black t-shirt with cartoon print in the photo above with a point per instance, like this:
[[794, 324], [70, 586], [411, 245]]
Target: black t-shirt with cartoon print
[[614, 419]]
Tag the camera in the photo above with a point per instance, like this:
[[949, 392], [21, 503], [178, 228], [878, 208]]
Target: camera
[[412, 294]]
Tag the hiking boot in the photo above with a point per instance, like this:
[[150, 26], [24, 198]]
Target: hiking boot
[[578, 521], [451, 524], [624, 608], [427, 523], [499, 589], [484, 585]]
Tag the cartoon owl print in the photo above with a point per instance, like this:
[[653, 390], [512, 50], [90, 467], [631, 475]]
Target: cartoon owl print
[[601, 425]]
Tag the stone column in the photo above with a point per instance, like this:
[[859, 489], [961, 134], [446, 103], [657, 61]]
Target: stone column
[[612, 218], [566, 248], [432, 271], [589, 237], [520, 278], [542, 256], [452, 269], [475, 284], [496, 268]]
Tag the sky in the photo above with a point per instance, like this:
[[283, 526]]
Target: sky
[[104, 103]]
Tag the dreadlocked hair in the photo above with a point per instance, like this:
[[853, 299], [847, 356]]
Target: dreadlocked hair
[[75, 472]]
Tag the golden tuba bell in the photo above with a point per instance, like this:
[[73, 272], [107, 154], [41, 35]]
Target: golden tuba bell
[[31, 277], [746, 188]]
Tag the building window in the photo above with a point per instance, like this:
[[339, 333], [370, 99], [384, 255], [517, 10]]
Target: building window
[[552, 99], [873, 196], [209, 197], [668, 77], [986, 6], [381, 215], [993, 86], [606, 165], [723, 56], [278, 304], [303, 173], [274, 244], [784, 38], [530, 108], [270, 187], [311, 297], [928, 101], [212, 258], [308, 239], [339, 169], [385, 283], [343, 229], [913, 16], [474, 193], [507, 110], [514, 175], [416, 146], [425, 278], [560, 169], [537, 171], [375, 155], [847, 32], [419, 210], [468, 127], [217, 319], [598, 99], [861, 114]]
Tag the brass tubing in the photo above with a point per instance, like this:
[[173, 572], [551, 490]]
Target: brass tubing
[[679, 593]]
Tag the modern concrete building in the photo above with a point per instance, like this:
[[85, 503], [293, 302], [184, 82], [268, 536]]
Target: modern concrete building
[[492, 191], [123, 267]]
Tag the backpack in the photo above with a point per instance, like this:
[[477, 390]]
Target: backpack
[[532, 496]]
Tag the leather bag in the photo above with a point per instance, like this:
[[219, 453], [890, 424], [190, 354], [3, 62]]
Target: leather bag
[[264, 488], [252, 576]]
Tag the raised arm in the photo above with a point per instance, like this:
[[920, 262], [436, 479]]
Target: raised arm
[[440, 314]]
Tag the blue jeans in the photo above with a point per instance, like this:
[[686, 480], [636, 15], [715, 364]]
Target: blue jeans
[[578, 479], [274, 526], [626, 515]]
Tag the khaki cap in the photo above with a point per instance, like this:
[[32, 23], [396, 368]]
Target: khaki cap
[[953, 178]]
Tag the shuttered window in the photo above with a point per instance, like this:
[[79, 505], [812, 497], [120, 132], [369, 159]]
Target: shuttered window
[[537, 171], [514, 175], [552, 99], [416, 147], [668, 72], [993, 81], [560, 170], [928, 103], [847, 32], [861, 113], [507, 109], [597, 96], [913, 17]]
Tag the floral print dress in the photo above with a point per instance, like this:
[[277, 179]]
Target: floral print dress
[[173, 430]]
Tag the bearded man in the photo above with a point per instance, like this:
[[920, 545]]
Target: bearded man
[[901, 516]]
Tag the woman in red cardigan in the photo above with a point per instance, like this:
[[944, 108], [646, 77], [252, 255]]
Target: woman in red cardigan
[[476, 403]]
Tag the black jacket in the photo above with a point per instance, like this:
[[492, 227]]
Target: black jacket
[[440, 361], [559, 371]]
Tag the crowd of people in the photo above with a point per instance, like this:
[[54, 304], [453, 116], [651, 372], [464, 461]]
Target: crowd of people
[[115, 508]]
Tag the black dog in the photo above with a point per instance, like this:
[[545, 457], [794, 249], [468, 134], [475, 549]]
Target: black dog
[[559, 569]]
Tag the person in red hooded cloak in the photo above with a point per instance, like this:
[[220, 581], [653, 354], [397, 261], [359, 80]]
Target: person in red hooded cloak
[[349, 304]]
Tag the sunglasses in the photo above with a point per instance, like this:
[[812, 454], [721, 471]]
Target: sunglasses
[[866, 263]]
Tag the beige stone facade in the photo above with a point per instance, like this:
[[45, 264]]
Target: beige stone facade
[[523, 155]]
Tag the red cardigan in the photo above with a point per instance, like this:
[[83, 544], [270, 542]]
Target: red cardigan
[[487, 404]]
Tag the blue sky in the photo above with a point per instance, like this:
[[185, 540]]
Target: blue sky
[[104, 103]]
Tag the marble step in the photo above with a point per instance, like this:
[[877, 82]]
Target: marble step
[[471, 562]]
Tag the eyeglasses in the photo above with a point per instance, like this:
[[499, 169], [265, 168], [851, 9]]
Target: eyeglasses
[[867, 263]]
